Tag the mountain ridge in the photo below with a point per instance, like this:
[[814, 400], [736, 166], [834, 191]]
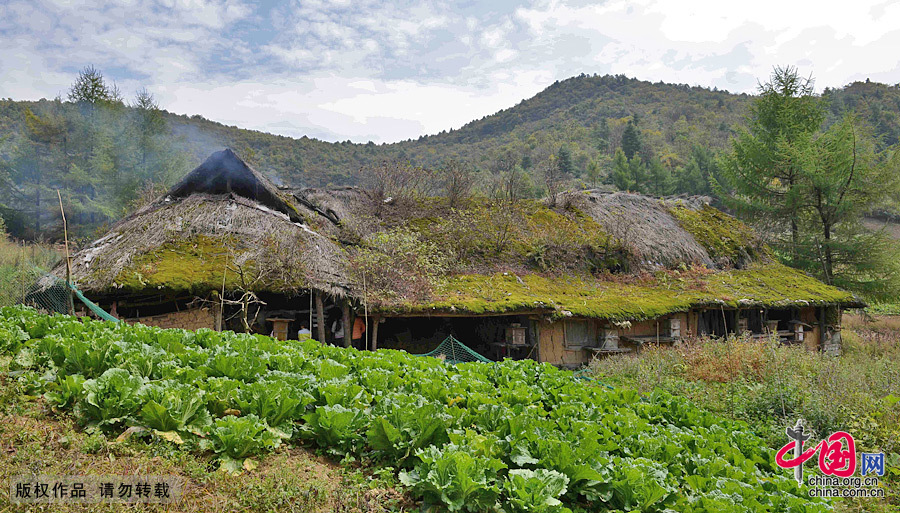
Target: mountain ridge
[[580, 122]]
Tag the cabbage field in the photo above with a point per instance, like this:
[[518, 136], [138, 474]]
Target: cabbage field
[[514, 436]]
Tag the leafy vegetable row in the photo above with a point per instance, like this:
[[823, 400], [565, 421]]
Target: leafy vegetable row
[[513, 436]]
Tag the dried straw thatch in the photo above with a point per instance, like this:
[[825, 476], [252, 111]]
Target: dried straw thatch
[[645, 224], [251, 224], [224, 213]]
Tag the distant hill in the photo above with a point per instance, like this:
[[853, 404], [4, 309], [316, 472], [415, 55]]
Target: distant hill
[[586, 113], [580, 120]]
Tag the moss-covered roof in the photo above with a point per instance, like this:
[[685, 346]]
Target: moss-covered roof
[[765, 285], [190, 265], [728, 241], [590, 253]]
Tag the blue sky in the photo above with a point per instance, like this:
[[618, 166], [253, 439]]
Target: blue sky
[[371, 70]]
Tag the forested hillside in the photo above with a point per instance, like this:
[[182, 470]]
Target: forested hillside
[[105, 152]]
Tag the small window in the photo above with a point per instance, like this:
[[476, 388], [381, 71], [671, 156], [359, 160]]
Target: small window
[[580, 333]]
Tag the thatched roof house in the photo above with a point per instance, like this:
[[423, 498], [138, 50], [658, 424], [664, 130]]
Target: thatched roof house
[[223, 226], [589, 273]]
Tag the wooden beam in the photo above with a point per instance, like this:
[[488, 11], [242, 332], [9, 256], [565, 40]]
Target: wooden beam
[[376, 319], [320, 317], [462, 314], [348, 326]]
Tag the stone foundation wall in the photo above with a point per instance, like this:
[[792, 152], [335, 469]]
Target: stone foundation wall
[[192, 319]]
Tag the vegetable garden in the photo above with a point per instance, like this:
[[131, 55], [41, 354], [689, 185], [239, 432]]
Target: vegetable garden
[[512, 436]]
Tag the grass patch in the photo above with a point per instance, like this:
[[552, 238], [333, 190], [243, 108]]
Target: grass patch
[[769, 386]]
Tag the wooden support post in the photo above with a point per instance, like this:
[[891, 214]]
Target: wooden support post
[[69, 291], [376, 319], [822, 328], [217, 311], [320, 317], [348, 325]]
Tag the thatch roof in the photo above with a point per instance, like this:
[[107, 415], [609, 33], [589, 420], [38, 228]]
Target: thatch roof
[[587, 255], [225, 173], [222, 217], [644, 223]]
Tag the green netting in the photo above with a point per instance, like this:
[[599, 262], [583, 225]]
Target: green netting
[[454, 351], [51, 294]]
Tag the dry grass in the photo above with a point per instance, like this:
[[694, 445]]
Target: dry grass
[[645, 224], [769, 386], [21, 264]]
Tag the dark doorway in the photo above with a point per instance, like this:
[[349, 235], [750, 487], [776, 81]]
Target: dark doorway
[[418, 335]]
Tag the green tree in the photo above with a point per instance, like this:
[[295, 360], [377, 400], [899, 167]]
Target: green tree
[[150, 125], [41, 160], [841, 178], [90, 88], [629, 175], [595, 171], [811, 187], [631, 140], [600, 135], [564, 161], [659, 179], [695, 176], [760, 176]]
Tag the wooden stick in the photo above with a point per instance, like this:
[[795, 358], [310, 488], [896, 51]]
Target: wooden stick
[[23, 270], [348, 324], [71, 302], [320, 317], [221, 320], [365, 312]]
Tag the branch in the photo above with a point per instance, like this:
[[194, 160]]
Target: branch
[[852, 166]]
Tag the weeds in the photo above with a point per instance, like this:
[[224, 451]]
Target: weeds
[[769, 385]]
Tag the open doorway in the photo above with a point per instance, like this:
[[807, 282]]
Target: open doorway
[[485, 335]]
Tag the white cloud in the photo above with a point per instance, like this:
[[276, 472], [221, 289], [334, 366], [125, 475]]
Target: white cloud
[[371, 70]]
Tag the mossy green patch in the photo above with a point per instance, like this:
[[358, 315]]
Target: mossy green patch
[[195, 265], [525, 234], [723, 236], [769, 285]]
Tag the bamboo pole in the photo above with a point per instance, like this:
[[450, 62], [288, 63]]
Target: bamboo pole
[[220, 320], [71, 300]]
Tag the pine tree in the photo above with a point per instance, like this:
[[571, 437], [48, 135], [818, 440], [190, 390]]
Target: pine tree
[[621, 175], [659, 179], [595, 171], [564, 161], [841, 178], [631, 140], [695, 175], [760, 175]]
